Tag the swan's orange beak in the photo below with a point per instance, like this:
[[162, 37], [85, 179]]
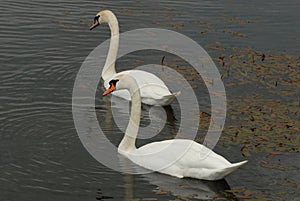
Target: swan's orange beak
[[109, 90]]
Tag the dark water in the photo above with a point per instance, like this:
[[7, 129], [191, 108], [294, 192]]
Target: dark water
[[42, 47]]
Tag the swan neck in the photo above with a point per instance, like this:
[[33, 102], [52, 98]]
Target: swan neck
[[128, 142], [109, 67], [113, 25]]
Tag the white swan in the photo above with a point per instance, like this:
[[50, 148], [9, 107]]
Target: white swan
[[177, 157], [153, 90]]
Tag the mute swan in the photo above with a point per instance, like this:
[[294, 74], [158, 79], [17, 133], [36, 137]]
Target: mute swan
[[177, 157], [153, 90]]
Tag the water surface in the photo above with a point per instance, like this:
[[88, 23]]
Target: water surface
[[43, 46]]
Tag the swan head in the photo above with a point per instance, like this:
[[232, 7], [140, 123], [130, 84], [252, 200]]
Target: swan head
[[102, 17], [120, 82], [112, 86]]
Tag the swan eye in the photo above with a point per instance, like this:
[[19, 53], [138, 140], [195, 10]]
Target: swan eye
[[113, 82]]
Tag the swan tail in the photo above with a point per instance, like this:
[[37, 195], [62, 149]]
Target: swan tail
[[176, 93], [239, 164], [221, 173], [212, 174], [168, 99], [228, 170]]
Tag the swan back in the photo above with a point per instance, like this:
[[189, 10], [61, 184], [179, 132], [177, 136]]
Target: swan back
[[183, 158]]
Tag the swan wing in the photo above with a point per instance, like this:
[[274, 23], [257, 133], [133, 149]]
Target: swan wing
[[150, 85], [153, 90], [183, 158]]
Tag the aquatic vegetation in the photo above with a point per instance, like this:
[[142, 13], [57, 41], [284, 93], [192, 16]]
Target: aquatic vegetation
[[263, 109], [266, 115]]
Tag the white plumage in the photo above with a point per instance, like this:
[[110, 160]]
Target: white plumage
[[177, 157], [153, 90]]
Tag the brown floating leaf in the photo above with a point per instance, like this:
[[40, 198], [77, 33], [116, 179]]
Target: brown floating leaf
[[177, 26], [234, 33], [168, 15], [272, 154], [207, 31], [201, 23], [163, 192], [241, 193]]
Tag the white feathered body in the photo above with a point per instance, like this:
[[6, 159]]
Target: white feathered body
[[182, 158], [153, 90]]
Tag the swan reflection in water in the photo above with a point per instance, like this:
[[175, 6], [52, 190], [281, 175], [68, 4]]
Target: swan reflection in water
[[153, 119], [185, 187]]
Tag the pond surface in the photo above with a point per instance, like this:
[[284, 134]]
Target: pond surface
[[254, 44]]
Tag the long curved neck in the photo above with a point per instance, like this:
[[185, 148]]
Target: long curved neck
[[128, 142], [109, 67]]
